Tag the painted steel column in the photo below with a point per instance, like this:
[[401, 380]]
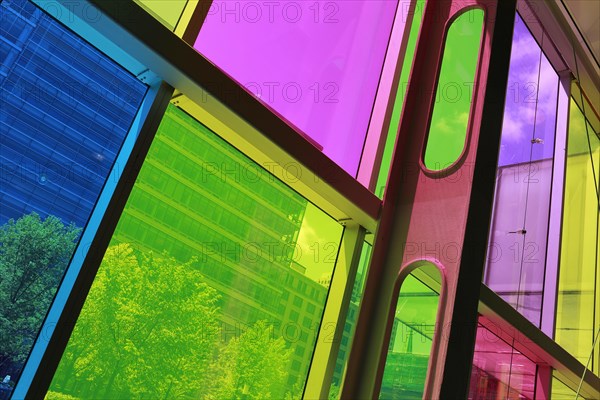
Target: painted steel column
[[462, 330], [442, 217]]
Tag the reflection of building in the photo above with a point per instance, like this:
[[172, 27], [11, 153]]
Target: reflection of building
[[198, 196], [407, 372], [52, 161], [325, 280], [65, 110]]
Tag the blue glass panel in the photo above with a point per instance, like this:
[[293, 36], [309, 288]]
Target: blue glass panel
[[65, 109]]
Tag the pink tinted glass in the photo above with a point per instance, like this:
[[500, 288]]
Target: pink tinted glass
[[316, 63], [499, 371]]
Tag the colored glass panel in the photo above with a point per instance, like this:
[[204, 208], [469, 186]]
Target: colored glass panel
[[315, 63], [213, 285], [530, 106], [65, 109], [499, 371], [454, 93], [410, 344], [560, 391], [350, 324], [518, 236], [392, 133], [167, 12], [578, 302]]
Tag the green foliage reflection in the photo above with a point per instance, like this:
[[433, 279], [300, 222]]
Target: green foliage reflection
[[161, 341], [34, 254]]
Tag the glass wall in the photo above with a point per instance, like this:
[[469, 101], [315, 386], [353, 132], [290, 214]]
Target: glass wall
[[316, 63], [213, 285], [499, 371], [578, 302], [516, 263], [410, 343], [65, 110]]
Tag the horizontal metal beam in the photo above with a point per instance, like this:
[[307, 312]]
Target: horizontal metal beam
[[511, 326], [136, 32]]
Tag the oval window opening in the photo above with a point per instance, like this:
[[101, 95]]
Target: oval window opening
[[410, 345], [454, 92]]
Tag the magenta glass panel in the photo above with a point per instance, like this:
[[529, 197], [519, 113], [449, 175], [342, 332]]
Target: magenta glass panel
[[499, 371], [518, 236], [317, 63]]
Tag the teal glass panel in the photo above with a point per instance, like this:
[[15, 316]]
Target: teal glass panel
[[410, 343], [454, 93], [212, 286]]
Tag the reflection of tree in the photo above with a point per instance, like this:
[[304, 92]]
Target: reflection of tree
[[251, 366], [149, 329], [145, 331], [33, 256]]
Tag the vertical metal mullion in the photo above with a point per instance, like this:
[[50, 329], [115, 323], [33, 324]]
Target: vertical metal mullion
[[41, 366], [322, 365], [556, 207]]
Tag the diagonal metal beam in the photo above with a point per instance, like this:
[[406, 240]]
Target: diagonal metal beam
[[129, 27]]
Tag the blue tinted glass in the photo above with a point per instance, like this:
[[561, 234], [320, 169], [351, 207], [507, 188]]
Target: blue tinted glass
[[65, 110]]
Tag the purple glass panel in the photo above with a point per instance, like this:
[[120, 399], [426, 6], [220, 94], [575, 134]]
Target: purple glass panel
[[515, 268], [518, 236], [317, 63], [531, 77], [499, 371]]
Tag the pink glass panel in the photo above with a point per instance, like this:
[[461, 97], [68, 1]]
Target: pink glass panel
[[317, 63], [499, 371]]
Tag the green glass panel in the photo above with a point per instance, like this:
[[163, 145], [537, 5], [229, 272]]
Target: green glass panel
[[410, 344], [167, 12], [454, 93], [350, 324], [392, 133], [213, 284], [578, 301]]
